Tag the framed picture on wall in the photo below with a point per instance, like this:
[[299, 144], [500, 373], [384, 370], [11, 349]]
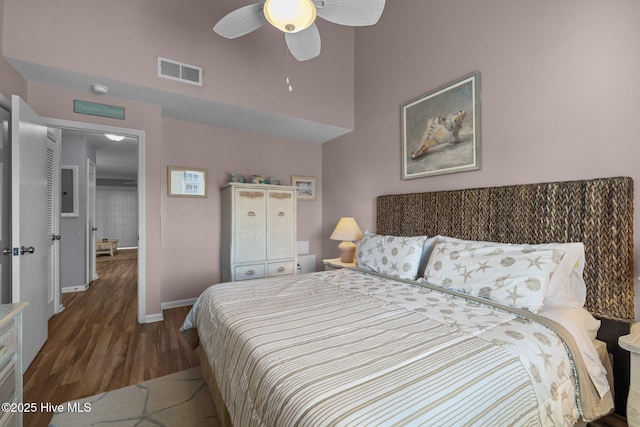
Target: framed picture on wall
[[441, 130], [305, 187], [187, 182]]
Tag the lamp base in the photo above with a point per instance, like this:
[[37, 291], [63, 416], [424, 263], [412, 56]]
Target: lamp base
[[347, 251]]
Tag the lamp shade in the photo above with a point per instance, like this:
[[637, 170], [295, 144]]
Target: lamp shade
[[347, 229], [290, 16]]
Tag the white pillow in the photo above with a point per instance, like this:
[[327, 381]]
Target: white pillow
[[515, 275], [567, 287], [394, 256]]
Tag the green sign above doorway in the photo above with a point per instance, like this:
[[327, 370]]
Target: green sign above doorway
[[94, 109]]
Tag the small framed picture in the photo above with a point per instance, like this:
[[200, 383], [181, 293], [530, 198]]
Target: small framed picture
[[305, 187], [187, 182]]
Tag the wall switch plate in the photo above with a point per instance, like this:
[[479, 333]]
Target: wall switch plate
[[303, 247]]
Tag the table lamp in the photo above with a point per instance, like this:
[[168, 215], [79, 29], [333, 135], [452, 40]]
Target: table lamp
[[347, 230]]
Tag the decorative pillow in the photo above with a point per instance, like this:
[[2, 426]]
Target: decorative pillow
[[393, 256], [567, 286], [515, 275]]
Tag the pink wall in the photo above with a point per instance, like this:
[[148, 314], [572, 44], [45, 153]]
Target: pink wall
[[183, 235], [191, 227], [11, 82], [122, 39], [559, 96]]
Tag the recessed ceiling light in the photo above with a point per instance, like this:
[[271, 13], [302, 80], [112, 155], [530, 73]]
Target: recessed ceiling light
[[98, 88], [112, 137]]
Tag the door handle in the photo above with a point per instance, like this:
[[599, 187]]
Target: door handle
[[94, 228], [24, 250], [55, 237], [7, 251]]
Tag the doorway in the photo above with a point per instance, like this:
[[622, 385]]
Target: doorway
[[116, 163]]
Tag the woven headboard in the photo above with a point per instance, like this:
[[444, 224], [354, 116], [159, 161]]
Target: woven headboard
[[597, 212]]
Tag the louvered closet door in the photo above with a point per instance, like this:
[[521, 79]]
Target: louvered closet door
[[51, 226], [250, 224], [280, 225]]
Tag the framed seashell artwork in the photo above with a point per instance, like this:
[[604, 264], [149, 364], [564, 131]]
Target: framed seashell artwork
[[441, 130]]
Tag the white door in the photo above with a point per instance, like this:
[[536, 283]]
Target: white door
[[52, 223], [281, 225], [5, 203], [91, 220], [29, 238]]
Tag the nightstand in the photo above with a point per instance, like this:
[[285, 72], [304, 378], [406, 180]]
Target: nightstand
[[336, 264], [631, 343]]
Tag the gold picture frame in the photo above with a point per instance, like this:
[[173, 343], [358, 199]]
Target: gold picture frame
[[186, 182], [305, 187]]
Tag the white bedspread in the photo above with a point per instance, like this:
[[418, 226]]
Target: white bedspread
[[346, 348]]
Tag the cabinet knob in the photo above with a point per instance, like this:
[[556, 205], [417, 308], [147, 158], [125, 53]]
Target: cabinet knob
[[250, 272], [281, 269], [251, 213], [280, 213]]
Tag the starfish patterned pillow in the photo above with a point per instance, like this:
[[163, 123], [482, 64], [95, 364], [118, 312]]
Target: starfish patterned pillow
[[393, 256], [514, 275]]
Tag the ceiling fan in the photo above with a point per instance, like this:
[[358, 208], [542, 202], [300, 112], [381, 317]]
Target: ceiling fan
[[296, 19]]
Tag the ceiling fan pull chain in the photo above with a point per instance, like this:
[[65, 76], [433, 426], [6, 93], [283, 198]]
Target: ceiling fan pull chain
[[289, 86]]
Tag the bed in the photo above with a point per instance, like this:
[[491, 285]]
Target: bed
[[402, 340]]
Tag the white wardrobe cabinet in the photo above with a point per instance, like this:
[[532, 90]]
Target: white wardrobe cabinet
[[258, 231]]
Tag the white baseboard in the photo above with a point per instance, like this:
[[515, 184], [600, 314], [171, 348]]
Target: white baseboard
[[180, 303], [159, 317], [68, 289], [150, 318]]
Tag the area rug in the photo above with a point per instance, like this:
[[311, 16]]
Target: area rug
[[179, 399]]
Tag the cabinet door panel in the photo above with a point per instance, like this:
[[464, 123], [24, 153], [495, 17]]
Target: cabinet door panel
[[281, 225], [250, 224]]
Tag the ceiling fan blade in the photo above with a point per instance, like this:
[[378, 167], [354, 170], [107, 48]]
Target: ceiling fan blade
[[241, 21], [305, 44], [350, 12]]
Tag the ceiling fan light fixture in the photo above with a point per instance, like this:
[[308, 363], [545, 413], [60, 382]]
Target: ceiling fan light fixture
[[290, 16]]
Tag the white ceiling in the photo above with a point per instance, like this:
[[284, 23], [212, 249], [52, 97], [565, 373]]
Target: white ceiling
[[114, 160]]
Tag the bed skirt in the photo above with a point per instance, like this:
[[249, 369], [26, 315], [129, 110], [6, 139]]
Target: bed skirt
[[214, 392]]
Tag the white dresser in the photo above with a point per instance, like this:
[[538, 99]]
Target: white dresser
[[258, 231], [11, 362]]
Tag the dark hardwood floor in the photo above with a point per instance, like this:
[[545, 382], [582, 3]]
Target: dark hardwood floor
[[96, 345]]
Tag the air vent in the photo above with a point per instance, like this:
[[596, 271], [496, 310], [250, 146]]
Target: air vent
[[178, 71]]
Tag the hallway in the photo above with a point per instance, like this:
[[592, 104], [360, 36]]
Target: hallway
[[96, 344]]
